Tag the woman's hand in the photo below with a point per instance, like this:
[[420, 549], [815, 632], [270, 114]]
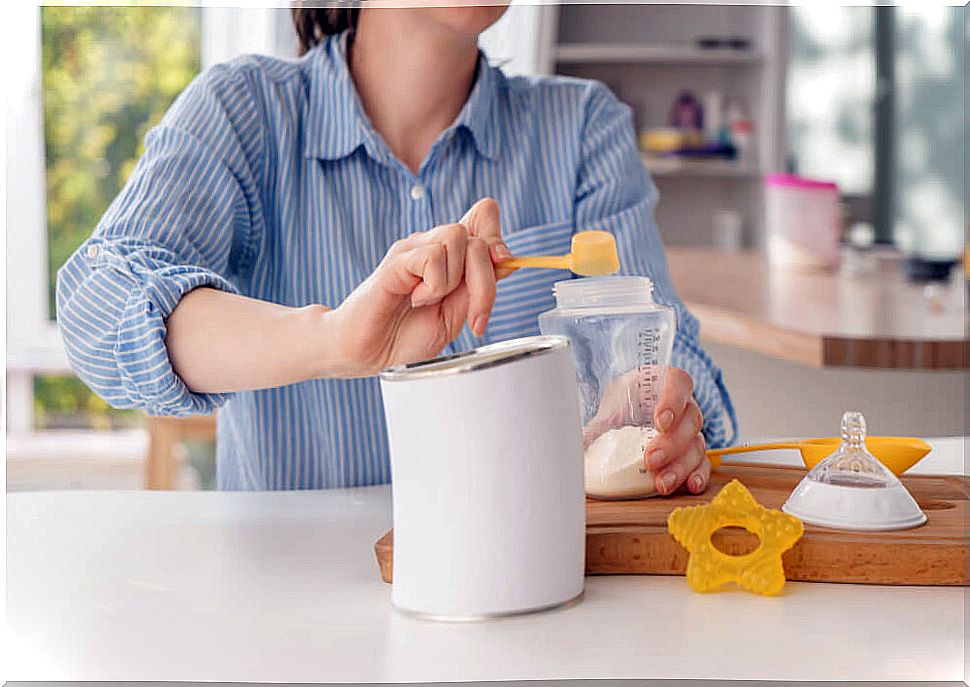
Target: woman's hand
[[677, 455], [420, 296]]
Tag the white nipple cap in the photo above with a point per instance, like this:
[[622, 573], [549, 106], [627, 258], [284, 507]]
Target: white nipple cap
[[852, 490]]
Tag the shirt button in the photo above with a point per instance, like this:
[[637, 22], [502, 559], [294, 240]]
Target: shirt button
[[417, 192], [92, 251]]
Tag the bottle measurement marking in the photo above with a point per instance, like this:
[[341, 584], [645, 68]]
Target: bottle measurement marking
[[648, 378]]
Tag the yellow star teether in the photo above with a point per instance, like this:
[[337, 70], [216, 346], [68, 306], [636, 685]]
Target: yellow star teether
[[761, 570]]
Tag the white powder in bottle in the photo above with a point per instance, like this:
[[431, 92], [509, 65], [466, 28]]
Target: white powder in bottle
[[614, 465]]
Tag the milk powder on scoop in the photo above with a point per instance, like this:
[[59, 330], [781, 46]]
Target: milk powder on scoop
[[615, 467]]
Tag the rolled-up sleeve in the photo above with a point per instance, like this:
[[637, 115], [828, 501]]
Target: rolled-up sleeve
[[615, 193], [188, 217]]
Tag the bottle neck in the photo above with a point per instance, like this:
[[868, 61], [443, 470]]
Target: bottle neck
[[598, 292]]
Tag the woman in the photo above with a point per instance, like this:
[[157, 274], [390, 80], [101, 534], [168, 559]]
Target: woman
[[292, 228]]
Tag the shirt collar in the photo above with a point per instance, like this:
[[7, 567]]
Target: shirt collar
[[334, 121], [478, 114], [336, 124]]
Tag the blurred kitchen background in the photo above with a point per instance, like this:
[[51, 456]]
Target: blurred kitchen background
[[810, 161]]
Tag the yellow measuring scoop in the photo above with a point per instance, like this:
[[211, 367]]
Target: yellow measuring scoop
[[898, 454], [593, 254]]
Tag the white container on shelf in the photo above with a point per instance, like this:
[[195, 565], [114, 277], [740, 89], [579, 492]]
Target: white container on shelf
[[487, 471], [803, 221]]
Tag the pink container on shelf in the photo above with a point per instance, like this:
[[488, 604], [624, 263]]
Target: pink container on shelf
[[803, 221]]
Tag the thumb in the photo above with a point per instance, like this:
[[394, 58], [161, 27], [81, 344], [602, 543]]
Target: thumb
[[484, 220]]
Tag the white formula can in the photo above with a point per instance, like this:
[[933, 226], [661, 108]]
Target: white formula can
[[487, 472]]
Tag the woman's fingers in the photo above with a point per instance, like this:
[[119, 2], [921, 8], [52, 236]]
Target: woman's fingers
[[677, 391], [428, 263], [698, 479], [437, 258], [480, 281], [665, 448], [688, 463], [678, 453], [483, 220], [442, 260], [454, 237]]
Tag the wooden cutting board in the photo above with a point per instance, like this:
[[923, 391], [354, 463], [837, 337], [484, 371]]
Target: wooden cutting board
[[630, 537]]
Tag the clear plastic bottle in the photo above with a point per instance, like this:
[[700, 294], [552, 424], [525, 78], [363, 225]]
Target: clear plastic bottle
[[621, 341]]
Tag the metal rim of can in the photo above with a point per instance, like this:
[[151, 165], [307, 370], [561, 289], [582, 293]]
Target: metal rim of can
[[476, 359]]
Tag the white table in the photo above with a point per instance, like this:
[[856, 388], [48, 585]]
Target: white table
[[270, 586]]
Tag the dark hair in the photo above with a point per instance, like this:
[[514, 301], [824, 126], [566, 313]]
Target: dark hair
[[313, 24]]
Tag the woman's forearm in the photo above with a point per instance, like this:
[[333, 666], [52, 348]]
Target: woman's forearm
[[221, 342], [422, 293]]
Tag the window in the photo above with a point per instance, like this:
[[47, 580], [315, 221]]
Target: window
[[832, 98], [931, 129], [62, 401], [93, 81], [875, 102], [832, 72], [108, 75]]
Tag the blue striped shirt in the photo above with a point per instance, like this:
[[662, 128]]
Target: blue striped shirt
[[266, 178]]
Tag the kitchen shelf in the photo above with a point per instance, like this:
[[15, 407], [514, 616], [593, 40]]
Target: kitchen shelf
[[648, 54], [680, 167], [586, 53]]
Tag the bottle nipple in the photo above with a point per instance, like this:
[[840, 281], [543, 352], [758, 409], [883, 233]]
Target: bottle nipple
[[852, 465], [854, 428]]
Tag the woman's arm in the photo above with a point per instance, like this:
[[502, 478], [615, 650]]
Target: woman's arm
[[223, 342], [150, 318], [417, 300], [188, 217]]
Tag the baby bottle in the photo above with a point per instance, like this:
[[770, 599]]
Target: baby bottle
[[621, 342]]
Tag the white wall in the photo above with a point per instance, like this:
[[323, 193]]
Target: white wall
[[512, 42], [231, 31], [779, 399]]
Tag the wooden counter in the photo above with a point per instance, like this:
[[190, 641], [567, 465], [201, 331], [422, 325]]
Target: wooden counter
[[823, 319]]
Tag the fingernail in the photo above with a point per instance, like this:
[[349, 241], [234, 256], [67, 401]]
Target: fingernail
[[655, 458], [668, 481], [478, 328], [665, 420], [501, 252], [697, 482], [419, 302]]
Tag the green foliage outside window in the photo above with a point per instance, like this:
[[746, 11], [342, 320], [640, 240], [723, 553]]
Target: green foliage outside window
[[64, 402], [109, 74]]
